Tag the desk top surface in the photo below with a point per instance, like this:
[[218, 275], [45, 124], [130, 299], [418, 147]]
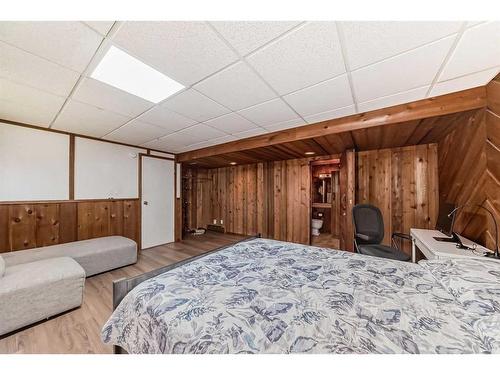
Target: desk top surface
[[439, 248]]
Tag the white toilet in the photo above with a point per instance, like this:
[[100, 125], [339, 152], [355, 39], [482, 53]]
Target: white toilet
[[316, 225]]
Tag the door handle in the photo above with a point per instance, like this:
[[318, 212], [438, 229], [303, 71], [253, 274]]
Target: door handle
[[146, 203]]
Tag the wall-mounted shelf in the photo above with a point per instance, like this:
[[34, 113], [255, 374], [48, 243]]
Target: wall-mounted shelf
[[322, 205]]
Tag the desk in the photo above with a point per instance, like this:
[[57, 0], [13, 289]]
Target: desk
[[433, 249]]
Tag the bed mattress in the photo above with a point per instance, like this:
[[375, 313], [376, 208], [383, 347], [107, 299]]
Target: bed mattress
[[266, 296]]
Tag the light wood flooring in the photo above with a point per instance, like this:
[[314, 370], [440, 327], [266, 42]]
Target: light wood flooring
[[78, 331], [325, 240]]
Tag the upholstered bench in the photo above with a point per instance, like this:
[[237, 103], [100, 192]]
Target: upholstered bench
[[30, 292], [36, 284], [95, 255]]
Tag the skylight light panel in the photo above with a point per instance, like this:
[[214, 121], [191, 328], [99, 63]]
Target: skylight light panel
[[118, 69]]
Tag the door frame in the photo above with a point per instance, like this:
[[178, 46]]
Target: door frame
[[142, 155], [313, 163]]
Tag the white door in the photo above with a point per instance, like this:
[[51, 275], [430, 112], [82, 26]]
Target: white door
[[157, 201]]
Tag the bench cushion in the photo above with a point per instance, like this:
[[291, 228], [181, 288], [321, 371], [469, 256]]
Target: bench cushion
[[34, 291], [95, 255]]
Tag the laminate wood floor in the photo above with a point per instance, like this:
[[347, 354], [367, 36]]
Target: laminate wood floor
[[78, 331], [325, 240]]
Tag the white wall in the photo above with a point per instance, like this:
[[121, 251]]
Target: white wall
[[34, 164], [104, 170]]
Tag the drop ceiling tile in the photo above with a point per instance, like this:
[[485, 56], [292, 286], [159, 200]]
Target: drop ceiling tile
[[269, 113], [71, 44], [185, 51], [399, 98], [155, 144], [102, 27], [213, 142], [236, 87], [136, 133], [86, 119], [465, 82], [308, 55], [330, 115], [164, 146], [247, 36], [28, 69], [369, 42], [285, 125], [194, 105], [474, 23], [326, 96], [107, 97], [194, 134], [171, 121], [478, 49], [250, 133], [231, 123], [28, 105], [401, 73]]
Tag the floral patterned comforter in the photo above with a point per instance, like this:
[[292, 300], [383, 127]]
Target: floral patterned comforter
[[266, 296]]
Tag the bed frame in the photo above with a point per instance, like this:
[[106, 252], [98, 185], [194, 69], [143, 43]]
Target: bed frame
[[123, 286]]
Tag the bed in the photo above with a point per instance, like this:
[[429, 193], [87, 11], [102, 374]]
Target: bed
[[266, 296]]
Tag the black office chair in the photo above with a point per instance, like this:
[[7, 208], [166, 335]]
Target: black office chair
[[369, 233]]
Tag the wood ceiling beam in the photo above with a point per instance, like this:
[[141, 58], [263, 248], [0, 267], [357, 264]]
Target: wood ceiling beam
[[437, 106]]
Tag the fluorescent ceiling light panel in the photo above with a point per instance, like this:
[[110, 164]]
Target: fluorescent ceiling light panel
[[117, 68]]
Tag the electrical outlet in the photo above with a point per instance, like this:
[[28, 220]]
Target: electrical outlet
[[221, 222], [215, 221]]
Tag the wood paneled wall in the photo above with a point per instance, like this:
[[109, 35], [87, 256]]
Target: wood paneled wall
[[271, 198], [274, 198], [403, 183], [29, 225], [469, 165]]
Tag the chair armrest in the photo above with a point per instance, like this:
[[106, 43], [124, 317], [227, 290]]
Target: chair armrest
[[402, 235], [362, 236]]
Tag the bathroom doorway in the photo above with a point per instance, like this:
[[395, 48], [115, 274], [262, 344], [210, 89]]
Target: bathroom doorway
[[325, 203]]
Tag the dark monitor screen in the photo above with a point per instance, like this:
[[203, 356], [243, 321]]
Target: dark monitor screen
[[445, 223]]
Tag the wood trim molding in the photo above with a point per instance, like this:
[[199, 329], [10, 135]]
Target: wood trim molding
[[7, 203], [139, 182], [326, 162], [156, 156], [71, 185], [437, 106]]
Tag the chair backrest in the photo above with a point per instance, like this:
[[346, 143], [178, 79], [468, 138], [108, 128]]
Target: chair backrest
[[368, 221]]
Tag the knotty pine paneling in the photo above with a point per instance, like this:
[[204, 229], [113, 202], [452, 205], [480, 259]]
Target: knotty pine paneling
[[403, 184], [469, 165], [132, 220], [68, 222], [29, 225], [22, 226], [47, 224], [116, 218]]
